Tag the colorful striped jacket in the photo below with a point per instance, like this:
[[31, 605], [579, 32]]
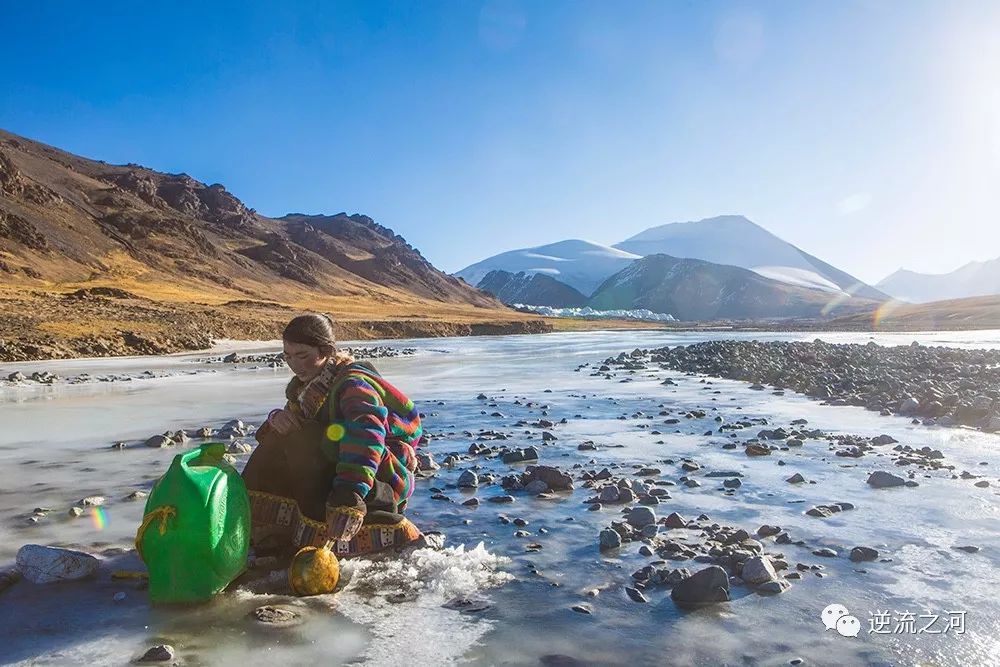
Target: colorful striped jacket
[[372, 430]]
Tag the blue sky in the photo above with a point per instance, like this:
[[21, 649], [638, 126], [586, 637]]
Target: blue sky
[[866, 132]]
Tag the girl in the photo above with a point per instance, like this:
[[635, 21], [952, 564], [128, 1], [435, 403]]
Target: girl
[[337, 461]]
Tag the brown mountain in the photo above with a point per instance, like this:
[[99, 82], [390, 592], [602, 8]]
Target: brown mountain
[[174, 252]]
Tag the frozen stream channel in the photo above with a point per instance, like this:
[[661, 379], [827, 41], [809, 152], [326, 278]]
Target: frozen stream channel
[[55, 449]]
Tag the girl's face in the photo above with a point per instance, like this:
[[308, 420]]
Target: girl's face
[[306, 361]]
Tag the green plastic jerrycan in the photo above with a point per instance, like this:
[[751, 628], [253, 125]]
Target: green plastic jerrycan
[[195, 532]]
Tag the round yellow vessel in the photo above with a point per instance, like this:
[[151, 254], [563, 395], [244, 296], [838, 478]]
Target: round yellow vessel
[[314, 571]]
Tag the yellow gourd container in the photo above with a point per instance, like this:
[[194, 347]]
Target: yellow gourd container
[[314, 571]]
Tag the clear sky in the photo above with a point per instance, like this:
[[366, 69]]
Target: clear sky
[[865, 132]]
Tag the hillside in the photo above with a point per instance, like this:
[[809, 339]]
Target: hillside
[[692, 289], [736, 241], [536, 289], [174, 251]]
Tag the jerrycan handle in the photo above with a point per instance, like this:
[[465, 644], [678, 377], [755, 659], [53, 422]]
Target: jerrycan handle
[[208, 454]]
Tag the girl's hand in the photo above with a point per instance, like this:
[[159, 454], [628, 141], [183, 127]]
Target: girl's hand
[[283, 421]]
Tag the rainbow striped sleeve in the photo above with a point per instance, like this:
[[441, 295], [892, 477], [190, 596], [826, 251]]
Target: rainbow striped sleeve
[[363, 445]]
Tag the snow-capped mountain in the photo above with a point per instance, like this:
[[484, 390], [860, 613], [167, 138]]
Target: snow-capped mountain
[[736, 241], [580, 264], [973, 279]]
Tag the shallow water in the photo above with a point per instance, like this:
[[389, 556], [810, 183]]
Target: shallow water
[[54, 450]]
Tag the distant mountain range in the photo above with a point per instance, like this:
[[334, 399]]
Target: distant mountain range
[[973, 279], [724, 267]]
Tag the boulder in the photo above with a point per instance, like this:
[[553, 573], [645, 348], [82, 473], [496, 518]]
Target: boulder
[[43, 565], [882, 480], [704, 587]]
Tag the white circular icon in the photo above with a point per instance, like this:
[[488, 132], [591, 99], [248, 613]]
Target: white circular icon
[[849, 626], [832, 614]]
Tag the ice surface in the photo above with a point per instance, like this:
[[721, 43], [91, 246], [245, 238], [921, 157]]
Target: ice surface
[[54, 450]]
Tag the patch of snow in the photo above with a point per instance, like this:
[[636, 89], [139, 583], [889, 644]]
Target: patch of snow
[[590, 313], [796, 276]]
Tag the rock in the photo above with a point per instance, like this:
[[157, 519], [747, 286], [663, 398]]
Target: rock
[[822, 511], [732, 483], [706, 586], [882, 480], [969, 549], [797, 478], [773, 587], [468, 480], [758, 570], [136, 495], [42, 565], [635, 594], [825, 553], [556, 479], [537, 486], [239, 447], [276, 615], [626, 495], [583, 609], [860, 554], [501, 499], [158, 653], [8, 579], [520, 455], [425, 462], [158, 441], [610, 539], [75, 511], [754, 449], [675, 520], [93, 501], [472, 502], [16, 377], [640, 517], [768, 531], [609, 494]]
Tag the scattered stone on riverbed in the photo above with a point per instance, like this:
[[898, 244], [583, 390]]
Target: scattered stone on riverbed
[[704, 587], [610, 539], [158, 441], [278, 615], [881, 479], [944, 386], [969, 549], [44, 565], [520, 455], [158, 653], [862, 554], [8, 578]]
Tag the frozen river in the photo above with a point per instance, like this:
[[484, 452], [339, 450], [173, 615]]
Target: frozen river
[[55, 449]]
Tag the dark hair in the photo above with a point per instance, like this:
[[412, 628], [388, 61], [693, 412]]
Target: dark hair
[[315, 329]]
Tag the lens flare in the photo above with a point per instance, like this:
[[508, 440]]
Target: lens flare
[[100, 517], [335, 432]]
